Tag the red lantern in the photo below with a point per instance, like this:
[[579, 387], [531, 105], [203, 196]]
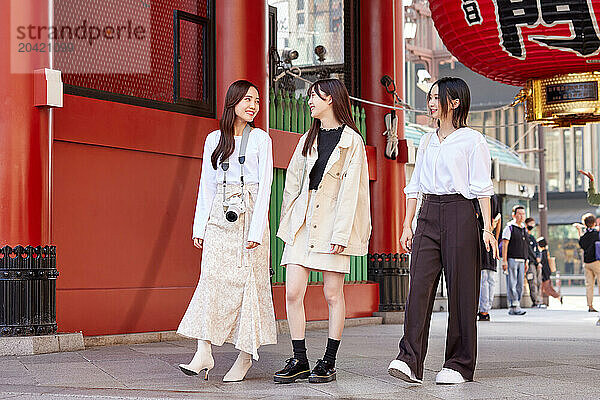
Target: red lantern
[[540, 44]]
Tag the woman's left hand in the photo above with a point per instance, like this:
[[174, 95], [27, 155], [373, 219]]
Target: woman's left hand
[[490, 243], [251, 245], [336, 249]]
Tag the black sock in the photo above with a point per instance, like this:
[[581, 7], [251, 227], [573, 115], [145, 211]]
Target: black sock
[[300, 349], [331, 351]]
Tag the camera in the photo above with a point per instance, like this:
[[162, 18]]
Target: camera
[[234, 207]]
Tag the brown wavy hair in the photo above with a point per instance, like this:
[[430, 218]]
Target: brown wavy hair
[[340, 101], [236, 92]]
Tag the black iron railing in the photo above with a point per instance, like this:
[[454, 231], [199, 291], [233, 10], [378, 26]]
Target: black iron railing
[[391, 271], [28, 290]]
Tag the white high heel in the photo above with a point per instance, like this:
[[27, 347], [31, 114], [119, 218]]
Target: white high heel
[[203, 360], [239, 368]]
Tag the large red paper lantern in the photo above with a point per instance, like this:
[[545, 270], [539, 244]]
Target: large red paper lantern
[[552, 47]]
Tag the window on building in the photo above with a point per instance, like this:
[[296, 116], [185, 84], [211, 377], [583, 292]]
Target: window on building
[[302, 28], [512, 127], [476, 120], [489, 123], [133, 60], [579, 164], [568, 159], [500, 122], [553, 148], [534, 141]]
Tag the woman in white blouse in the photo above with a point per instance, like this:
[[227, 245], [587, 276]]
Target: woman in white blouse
[[232, 302], [452, 172]]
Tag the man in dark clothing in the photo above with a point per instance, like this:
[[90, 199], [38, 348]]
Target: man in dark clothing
[[533, 265], [587, 241], [515, 249]]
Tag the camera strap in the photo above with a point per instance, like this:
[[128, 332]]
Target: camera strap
[[241, 159]]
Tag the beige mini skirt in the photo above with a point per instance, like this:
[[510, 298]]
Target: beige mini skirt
[[300, 254]]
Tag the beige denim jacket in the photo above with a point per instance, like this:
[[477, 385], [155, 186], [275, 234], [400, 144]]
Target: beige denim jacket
[[342, 212]]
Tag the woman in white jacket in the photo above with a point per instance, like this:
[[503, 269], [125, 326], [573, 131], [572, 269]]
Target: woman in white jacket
[[233, 302]]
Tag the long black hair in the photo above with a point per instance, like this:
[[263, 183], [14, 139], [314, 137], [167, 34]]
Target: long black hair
[[236, 92], [449, 89], [340, 101]]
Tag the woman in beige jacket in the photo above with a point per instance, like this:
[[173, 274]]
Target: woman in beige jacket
[[325, 219]]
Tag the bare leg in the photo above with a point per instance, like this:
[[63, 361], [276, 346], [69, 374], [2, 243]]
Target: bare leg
[[333, 289], [295, 288]]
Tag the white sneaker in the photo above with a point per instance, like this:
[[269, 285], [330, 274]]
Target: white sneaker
[[449, 376], [401, 370]]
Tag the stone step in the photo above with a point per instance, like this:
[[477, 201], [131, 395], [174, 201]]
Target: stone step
[[28, 345], [164, 336]]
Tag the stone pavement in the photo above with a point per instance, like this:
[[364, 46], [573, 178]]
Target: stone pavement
[[546, 354]]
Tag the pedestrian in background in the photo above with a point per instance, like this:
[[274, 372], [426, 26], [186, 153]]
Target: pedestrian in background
[[534, 267], [515, 250], [547, 287], [587, 241]]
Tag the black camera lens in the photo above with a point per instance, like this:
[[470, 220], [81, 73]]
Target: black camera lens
[[231, 216]]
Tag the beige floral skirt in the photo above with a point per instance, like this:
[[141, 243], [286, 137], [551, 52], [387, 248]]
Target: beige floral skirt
[[233, 300], [300, 254]]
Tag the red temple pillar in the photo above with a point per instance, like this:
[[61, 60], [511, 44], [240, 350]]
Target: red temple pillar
[[242, 50], [24, 133], [382, 54]]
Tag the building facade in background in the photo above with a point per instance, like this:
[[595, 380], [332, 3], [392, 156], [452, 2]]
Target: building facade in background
[[109, 174], [567, 149]]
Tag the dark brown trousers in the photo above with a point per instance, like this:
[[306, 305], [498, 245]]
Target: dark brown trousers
[[448, 238]]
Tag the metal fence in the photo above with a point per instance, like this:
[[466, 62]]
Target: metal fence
[[28, 290]]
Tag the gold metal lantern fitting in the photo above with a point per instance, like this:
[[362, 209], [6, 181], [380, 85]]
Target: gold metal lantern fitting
[[564, 100]]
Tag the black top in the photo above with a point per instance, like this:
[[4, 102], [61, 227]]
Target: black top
[[545, 266], [588, 243], [534, 250], [326, 142], [518, 247]]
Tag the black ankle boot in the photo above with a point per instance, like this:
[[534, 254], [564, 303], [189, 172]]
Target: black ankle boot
[[294, 369], [323, 372]]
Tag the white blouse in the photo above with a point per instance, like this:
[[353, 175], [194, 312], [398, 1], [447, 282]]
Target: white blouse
[[258, 168], [461, 163]]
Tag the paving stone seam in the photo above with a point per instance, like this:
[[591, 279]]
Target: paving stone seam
[[524, 338], [126, 389]]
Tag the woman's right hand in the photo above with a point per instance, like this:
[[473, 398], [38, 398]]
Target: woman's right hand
[[406, 238], [588, 174], [197, 243]]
